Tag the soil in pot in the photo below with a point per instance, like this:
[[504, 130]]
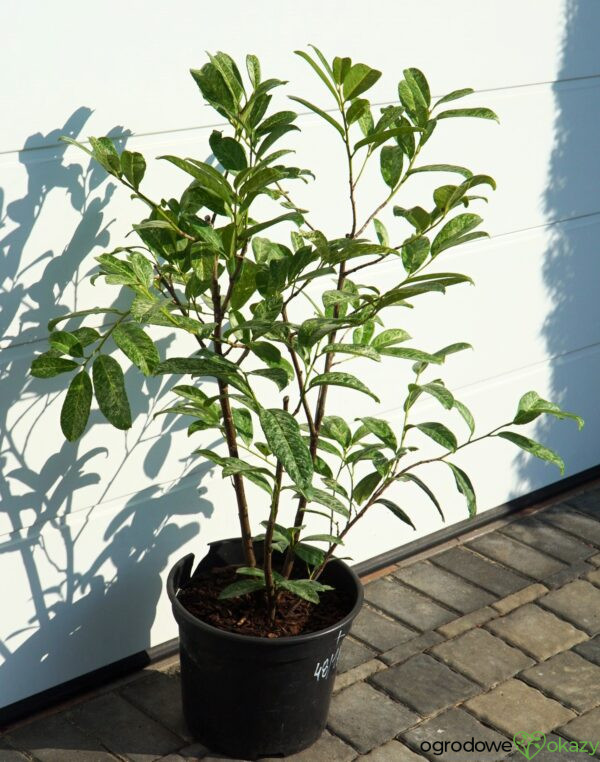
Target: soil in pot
[[247, 614]]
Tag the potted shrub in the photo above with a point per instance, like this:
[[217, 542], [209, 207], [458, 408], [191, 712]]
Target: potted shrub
[[262, 617]]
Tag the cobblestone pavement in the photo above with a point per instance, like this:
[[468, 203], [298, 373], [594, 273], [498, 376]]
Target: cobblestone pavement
[[486, 637]]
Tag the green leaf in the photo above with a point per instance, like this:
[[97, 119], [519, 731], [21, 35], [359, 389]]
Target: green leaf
[[323, 114], [322, 75], [389, 337], [397, 511], [243, 424], [229, 153], [243, 587], [76, 407], [308, 589], [205, 366], [214, 88], [336, 428], [464, 486], [82, 313], [466, 414], [381, 429], [206, 175], [439, 433], [334, 378], [324, 538], [534, 448], [253, 68], [259, 227], [455, 95], [531, 405], [437, 390], [106, 155], [276, 375], [359, 108], [358, 79], [414, 253], [66, 343], [405, 353], [481, 113], [86, 336], [364, 333], [227, 68], [341, 66], [109, 387], [47, 365], [308, 554], [454, 231], [390, 163], [418, 84], [382, 234], [421, 484], [250, 571], [442, 168], [314, 495], [354, 349], [366, 486], [283, 437], [133, 165], [134, 342]]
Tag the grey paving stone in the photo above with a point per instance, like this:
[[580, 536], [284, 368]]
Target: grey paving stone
[[55, 739], [424, 684], [574, 571], [9, 754], [378, 631], [328, 748], [407, 605], [588, 502], [191, 753], [357, 674], [415, 646], [549, 539], [487, 574], [392, 751], [514, 707], [590, 649], [569, 678], [352, 654], [123, 729], [444, 586], [585, 729], [483, 657], [159, 695], [520, 598], [367, 718], [535, 631], [565, 517], [593, 576], [555, 749], [435, 737], [523, 558], [579, 602], [468, 622]]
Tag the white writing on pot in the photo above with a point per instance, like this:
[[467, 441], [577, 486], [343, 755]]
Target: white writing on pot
[[325, 668]]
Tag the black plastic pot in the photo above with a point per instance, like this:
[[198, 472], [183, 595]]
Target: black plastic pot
[[252, 697]]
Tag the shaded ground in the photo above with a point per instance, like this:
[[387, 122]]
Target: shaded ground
[[491, 636]]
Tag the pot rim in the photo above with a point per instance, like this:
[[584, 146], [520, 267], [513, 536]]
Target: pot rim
[[179, 610]]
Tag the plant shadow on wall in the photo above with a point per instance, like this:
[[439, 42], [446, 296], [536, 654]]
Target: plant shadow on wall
[[571, 269], [77, 600]]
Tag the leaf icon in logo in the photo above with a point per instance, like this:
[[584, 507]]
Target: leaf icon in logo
[[529, 744]]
